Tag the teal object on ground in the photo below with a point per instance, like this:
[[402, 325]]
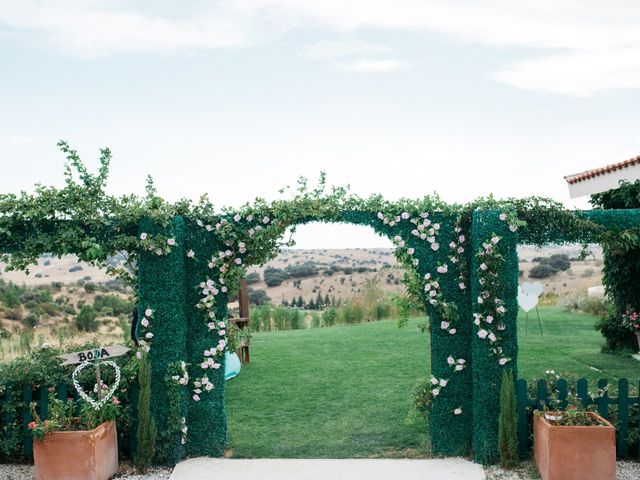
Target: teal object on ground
[[232, 365]]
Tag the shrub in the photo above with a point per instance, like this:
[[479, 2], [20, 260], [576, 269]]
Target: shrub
[[86, 320], [117, 305], [306, 269], [253, 277], [31, 320], [11, 297], [147, 431], [13, 313], [581, 302], [258, 297], [76, 268], [542, 271], [90, 287], [329, 317], [50, 309], [274, 276], [507, 430], [559, 261], [617, 336], [295, 319]]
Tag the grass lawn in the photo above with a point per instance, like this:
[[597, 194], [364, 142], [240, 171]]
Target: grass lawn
[[570, 346], [343, 392]]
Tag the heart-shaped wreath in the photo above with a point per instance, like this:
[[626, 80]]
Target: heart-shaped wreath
[[96, 404]]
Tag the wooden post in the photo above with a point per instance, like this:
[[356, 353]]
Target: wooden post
[[243, 299]]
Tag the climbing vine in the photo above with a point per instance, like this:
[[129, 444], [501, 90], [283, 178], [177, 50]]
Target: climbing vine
[[432, 239]]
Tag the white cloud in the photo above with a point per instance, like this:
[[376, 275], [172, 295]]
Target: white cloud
[[91, 29], [598, 39], [578, 74], [582, 38], [332, 49], [21, 140], [386, 65]]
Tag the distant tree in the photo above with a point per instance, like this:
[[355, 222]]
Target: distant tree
[[311, 305], [560, 261], [253, 277], [542, 271], [274, 276], [319, 301], [258, 297], [300, 302], [306, 269]]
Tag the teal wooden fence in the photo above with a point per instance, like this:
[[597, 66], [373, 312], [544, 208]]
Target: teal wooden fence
[[40, 396], [623, 411]]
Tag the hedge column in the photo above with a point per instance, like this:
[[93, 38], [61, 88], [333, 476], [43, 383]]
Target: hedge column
[[161, 288], [487, 373], [207, 418], [450, 432]]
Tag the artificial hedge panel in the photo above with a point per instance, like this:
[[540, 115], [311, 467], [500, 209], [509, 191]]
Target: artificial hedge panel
[[161, 288], [207, 418], [487, 372]]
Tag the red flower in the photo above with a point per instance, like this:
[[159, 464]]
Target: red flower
[[116, 401], [32, 425]]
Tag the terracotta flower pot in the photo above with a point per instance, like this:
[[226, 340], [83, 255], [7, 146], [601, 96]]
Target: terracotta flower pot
[[574, 453], [81, 455]]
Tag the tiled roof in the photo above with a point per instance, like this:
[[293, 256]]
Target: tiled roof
[[581, 177]]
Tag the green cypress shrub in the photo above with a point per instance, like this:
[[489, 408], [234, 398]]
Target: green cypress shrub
[[507, 426], [147, 431]]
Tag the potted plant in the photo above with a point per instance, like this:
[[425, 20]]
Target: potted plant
[[67, 446], [573, 444], [632, 322]]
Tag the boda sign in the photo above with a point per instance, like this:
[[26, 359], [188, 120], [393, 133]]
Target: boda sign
[[100, 353]]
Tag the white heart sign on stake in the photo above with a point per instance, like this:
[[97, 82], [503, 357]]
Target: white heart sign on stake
[[535, 288], [527, 301], [95, 404]]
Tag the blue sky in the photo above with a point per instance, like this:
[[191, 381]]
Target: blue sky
[[239, 98]]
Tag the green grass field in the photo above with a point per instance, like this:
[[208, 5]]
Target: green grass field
[[343, 392]]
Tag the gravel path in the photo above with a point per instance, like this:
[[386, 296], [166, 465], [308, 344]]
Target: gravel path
[[26, 472], [626, 471], [527, 471]]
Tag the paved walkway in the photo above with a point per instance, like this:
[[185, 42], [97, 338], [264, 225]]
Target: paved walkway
[[326, 469]]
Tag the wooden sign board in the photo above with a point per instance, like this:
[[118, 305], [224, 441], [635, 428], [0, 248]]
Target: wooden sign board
[[100, 353]]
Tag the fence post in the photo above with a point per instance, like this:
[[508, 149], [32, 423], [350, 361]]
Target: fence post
[[623, 417], [522, 401], [44, 402], [62, 392], [542, 395], [582, 389], [603, 400], [563, 392], [27, 437]]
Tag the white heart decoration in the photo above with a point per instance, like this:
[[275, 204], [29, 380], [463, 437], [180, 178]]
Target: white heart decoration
[[83, 394], [526, 301], [532, 288]]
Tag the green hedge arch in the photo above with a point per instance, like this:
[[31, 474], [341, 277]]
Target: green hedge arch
[[186, 256]]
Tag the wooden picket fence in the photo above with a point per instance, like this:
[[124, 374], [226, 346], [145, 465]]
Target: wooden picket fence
[[40, 395], [620, 416]]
